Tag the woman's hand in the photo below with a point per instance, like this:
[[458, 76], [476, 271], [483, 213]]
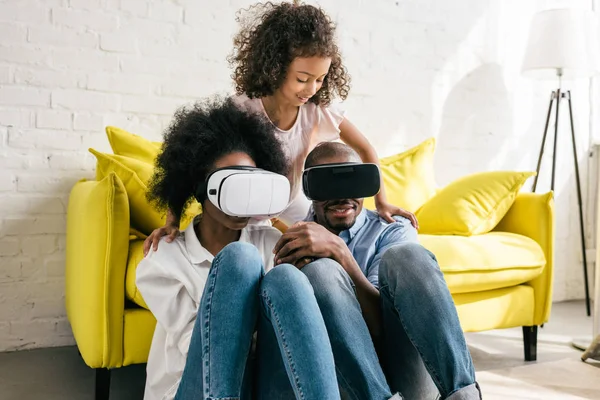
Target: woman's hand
[[171, 231], [387, 211]]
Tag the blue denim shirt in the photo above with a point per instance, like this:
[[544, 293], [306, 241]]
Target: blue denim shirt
[[371, 236]]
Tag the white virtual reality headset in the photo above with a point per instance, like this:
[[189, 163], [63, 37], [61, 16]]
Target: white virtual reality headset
[[246, 191]]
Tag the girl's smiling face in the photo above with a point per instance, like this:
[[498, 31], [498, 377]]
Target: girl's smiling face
[[303, 79]]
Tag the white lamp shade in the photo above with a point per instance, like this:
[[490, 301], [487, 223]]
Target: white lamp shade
[[564, 41]]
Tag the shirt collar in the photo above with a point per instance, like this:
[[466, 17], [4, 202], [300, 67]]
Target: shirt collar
[[199, 254], [361, 220], [348, 234]]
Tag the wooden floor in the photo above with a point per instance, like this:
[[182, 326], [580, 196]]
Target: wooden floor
[[59, 373]]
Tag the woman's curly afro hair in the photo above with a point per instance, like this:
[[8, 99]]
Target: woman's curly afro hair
[[198, 137], [271, 36]]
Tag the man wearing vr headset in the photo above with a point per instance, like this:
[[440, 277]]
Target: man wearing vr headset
[[377, 288], [208, 289]]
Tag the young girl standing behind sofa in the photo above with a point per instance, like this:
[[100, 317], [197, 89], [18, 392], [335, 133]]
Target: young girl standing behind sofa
[[288, 67]]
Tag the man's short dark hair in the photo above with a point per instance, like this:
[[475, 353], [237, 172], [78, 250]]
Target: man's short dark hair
[[198, 137], [328, 150]]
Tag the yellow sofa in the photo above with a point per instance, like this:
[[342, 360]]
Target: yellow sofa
[[499, 279]]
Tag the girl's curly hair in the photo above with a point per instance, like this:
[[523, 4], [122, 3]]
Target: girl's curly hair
[[197, 138], [271, 36]]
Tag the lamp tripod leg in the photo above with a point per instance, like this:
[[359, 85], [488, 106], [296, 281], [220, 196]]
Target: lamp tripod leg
[[539, 163], [580, 203]]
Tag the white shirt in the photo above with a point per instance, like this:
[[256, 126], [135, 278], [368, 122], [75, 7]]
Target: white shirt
[[314, 124], [171, 281]]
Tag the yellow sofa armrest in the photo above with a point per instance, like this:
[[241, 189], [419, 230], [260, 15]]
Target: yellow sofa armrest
[[96, 259], [532, 215]]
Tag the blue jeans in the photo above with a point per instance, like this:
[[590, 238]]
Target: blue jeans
[[236, 294], [423, 353], [423, 339]]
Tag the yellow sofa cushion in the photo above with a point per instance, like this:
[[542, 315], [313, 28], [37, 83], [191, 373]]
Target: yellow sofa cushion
[[485, 262], [408, 177], [496, 309], [138, 330], [136, 254], [127, 144], [470, 264], [471, 205], [96, 253], [135, 175]]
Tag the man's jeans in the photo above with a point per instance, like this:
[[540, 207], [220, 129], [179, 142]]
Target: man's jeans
[[236, 296], [423, 340], [422, 336]]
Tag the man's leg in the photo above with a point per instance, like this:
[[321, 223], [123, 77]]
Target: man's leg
[[222, 334], [401, 362], [294, 355], [417, 306], [359, 374]]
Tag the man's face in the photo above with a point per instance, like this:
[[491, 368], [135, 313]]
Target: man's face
[[337, 215]]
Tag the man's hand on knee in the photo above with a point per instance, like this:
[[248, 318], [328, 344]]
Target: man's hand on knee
[[306, 241]]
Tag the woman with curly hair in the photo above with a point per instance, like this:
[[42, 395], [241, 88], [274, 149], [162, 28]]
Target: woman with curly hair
[[215, 283], [288, 67]]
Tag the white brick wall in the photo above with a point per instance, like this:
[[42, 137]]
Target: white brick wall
[[448, 69]]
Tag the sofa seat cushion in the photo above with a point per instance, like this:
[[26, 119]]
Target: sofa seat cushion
[[470, 263], [485, 262], [136, 254]]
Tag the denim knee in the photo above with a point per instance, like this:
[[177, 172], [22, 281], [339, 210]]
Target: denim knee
[[327, 278], [406, 264], [239, 261], [284, 280]]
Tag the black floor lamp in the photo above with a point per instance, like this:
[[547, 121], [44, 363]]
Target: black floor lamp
[[563, 45]]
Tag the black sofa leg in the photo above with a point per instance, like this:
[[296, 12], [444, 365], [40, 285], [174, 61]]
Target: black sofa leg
[[102, 383], [530, 342]]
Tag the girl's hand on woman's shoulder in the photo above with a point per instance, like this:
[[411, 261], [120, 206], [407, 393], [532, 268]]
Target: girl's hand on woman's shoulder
[[152, 241]]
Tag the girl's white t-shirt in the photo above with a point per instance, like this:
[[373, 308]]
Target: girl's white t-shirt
[[314, 124]]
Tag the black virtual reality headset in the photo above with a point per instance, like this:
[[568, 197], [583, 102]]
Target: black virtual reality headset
[[341, 181], [245, 191]]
